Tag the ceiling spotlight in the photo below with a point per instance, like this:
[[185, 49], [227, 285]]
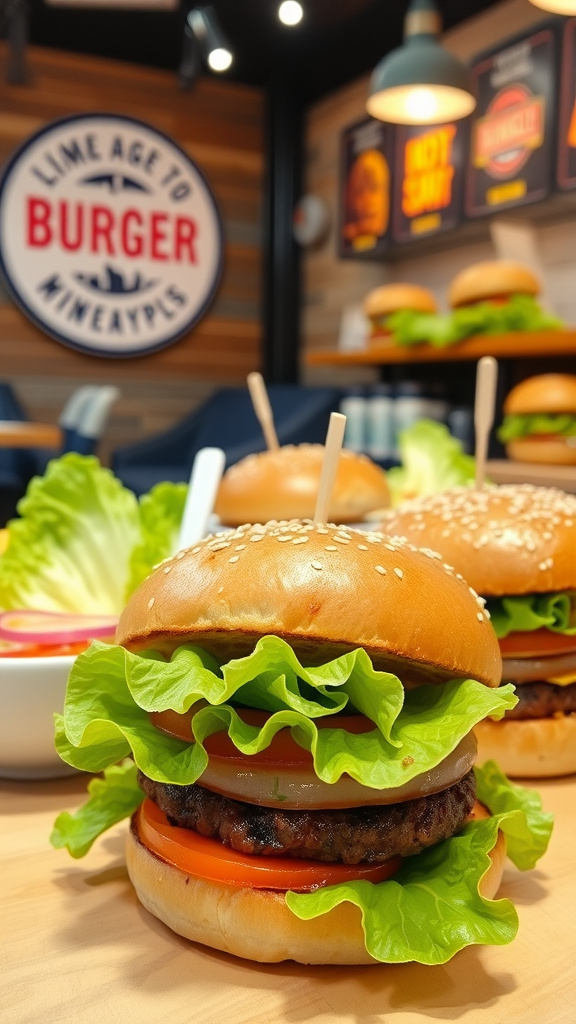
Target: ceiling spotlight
[[204, 23], [290, 12], [420, 82]]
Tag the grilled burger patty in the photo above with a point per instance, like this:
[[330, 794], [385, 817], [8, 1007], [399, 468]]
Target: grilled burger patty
[[372, 834], [542, 700]]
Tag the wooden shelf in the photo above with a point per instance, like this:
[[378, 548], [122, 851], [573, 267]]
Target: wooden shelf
[[502, 346]]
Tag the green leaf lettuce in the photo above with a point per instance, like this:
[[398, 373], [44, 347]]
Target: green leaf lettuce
[[112, 799], [520, 313], [432, 461], [517, 425], [527, 612]]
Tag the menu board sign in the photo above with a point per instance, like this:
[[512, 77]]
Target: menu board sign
[[567, 125], [365, 189], [428, 178], [511, 142]]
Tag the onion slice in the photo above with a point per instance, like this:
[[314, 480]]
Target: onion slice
[[532, 670], [30, 627], [292, 788]]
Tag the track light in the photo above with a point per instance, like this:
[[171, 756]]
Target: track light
[[290, 12], [203, 22], [420, 82]]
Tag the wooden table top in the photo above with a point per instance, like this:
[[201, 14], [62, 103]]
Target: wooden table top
[[79, 949], [17, 434]]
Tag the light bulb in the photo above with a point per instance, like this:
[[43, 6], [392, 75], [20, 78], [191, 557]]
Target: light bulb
[[290, 12], [556, 6], [220, 59], [421, 104]]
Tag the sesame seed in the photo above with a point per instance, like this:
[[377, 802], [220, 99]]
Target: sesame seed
[[235, 558], [219, 547], [399, 573], [543, 566], [380, 569], [220, 589], [341, 540], [317, 565], [330, 547], [167, 569], [283, 538], [320, 529], [480, 617], [240, 547], [362, 547], [257, 536], [151, 602], [194, 552], [300, 540]]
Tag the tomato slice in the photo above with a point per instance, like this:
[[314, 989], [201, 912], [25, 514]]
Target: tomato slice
[[535, 644], [8, 649], [211, 860], [282, 750]]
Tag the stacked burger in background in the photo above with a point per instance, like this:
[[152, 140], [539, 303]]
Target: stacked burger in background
[[516, 546]]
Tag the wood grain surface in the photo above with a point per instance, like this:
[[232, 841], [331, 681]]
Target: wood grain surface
[[14, 434], [78, 948]]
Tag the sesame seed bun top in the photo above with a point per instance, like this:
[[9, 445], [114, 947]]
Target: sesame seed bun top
[[551, 393], [389, 298], [283, 484], [325, 590], [504, 540], [492, 279]]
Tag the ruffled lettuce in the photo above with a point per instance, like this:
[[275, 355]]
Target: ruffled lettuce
[[83, 542], [522, 614], [520, 313], [112, 798], [516, 425], [161, 512], [427, 912], [111, 692], [432, 461], [432, 908]]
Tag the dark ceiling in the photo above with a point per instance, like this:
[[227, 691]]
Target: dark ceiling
[[336, 41]]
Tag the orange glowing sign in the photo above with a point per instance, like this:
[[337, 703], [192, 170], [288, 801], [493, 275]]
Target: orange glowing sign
[[428, 172]]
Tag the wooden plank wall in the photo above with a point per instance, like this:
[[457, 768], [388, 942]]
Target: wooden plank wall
[[329, 282], [221, 125]]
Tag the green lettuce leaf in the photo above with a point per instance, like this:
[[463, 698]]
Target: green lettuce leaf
[[522, 614], [112, 798], [520, 313], [70, 549], [432, 908], [432, 461], [516, 425], [111, 692], [161, 512], [529, 840]]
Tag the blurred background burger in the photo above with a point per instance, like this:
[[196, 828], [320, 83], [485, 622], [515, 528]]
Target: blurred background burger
[[540, 420]]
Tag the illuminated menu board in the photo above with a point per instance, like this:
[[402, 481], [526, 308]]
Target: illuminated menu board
[[511, 141], [365, 189], [429, 169], [567, 122]]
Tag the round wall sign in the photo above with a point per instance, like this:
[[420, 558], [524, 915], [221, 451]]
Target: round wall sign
[[110, 237]]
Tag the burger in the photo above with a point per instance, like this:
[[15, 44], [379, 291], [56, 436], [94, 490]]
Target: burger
[[516, 546], [493, 281], [540, 420], [299, 701], [283, 484], [389, 300]]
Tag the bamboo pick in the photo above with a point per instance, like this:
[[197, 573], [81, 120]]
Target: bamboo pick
[[486, 380], [263, 409], [204, 482], [333, 447]]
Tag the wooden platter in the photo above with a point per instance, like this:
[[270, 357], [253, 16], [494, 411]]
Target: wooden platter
[[516, 345], [79, 949]]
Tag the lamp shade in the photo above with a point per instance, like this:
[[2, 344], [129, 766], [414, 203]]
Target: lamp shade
[[420, 82], [556, 6]]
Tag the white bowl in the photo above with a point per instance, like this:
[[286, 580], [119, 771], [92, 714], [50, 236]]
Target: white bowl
[[31, 690]]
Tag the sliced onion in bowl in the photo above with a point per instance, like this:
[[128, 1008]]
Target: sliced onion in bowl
[[292, 788], [30, 627]]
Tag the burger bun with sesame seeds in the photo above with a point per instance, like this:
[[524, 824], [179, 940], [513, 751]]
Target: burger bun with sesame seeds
[[492, 279], [550, 395], [325, 590], [512, 540], [283, 484]]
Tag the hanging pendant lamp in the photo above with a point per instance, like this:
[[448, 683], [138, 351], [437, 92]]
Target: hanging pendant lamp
[[420, 82], [556, 6]]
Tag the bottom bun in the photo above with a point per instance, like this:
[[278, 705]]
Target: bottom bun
[[530, 748], [550, 451], [256, 924]]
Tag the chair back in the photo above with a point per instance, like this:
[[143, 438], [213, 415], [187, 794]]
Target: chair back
[[94, 418]]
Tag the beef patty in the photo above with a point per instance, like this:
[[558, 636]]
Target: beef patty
[[542, 700], [370, 834]]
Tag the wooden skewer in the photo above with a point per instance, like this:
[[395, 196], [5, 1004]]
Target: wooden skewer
[[486, 380], [263, 409], [334, 441], [204, 482]]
